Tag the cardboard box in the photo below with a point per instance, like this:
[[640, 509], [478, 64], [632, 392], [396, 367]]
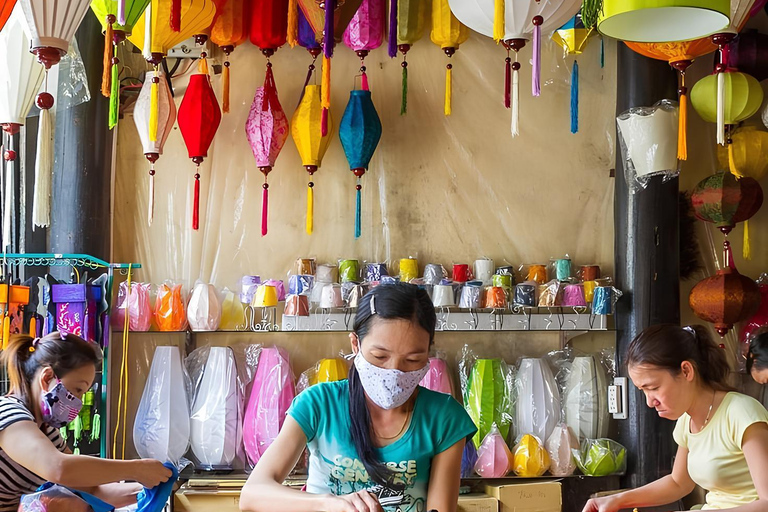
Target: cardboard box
[[477, 502], [541, 496]]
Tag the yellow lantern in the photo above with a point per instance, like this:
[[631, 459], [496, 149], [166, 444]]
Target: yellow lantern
[[411, 21], [739, 96], [448, 33], [572, 38], [747, 154], [530, 458], [306, 130], [329, 370]]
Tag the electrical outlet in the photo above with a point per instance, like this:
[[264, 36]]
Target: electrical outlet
[[613, 399], [617, 398], [186, 50]]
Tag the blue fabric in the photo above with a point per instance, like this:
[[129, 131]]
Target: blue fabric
[[360, 129], [153, 500], [95, 503], [306, 35]]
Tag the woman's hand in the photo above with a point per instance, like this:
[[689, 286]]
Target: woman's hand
[[361, 501], [151, 473], [605, 504]]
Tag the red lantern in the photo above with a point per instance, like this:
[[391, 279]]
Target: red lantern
[[6, 8], [269, 24], [199, 118]]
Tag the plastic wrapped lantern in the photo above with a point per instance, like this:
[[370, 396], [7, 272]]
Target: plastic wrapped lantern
[[572, 38], [538, 399], [203, 309], [310, 142], [161, 429], [154, 128], [747, 153], [137, 303], [232, 312], [329, 370], [438, 377], [600, 457], [230, 29], [271, 396], [13, 298], [266, 130], [360, 132], [529, 457], [725, 298], [216, 414], [448, 33], [586, 401], [199, 118], [407, 21], [487, 398], [560, 446], [170, 314], [494, 460]]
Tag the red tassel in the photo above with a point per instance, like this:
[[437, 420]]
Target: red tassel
[[364, 82], [508, 83], [196, 207], [176, 15], [324, 122], [264, 209]]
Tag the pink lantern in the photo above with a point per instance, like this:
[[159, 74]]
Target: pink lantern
[[438, 377], [494, 460], [266, 130], [366, 31]]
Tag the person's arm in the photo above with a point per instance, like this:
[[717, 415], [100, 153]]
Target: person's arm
[[27, 445], [445, 479], [118, 495], [755, 446], [265, 486], [661, 492]]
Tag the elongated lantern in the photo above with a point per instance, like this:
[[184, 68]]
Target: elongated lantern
[[305, 37], [229, 31], [199, 118], [680, 55], [166, 116], [448, 33], [407, 21], [309, 140], [266, 130], [24, 75], [573, 38], [360, 132], [6, 8], [366, 32]]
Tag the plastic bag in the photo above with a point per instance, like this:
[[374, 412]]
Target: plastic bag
[[204, 310], [232, 312], [604, 300], [438, 377], [551, 294], [170, 309], [586, 398], [162, 427], [73, 81], [271, 395], [538, 399], [57, 498], [530, 458], [560, 445], [560, 268], [494, 460], [138, 304], [468, 460], [325, 370], [601, 457]]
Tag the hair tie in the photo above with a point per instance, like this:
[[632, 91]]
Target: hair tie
[[691, 330], [373, 305], [34, 344]]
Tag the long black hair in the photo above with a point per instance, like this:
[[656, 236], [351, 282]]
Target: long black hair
[[396, 301], [757, 357]]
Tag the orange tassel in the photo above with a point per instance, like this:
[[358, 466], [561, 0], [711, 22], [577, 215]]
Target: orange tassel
[[6, 330], [33, 327], [225, 88], [682, 127], [106, 76], [293, 23]]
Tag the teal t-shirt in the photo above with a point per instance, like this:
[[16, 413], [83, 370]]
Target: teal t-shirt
[[322, 411]]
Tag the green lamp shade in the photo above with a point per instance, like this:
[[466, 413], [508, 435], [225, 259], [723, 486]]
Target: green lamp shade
[[487, 400], [661, 21], [743, 97]]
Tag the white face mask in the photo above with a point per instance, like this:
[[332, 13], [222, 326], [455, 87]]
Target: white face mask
[[387, 388]]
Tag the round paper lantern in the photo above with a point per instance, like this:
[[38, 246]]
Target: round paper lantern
[[724, 200], [743, 97], [651, 21], [230, 29], [6, 8], [199, 118], [747, 153], [725, 298], [448, 33]]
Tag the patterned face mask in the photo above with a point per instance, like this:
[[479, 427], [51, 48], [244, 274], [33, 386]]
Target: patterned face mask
[[387, 388], [59, 406]]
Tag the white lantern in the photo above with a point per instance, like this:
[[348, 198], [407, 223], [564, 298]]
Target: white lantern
[[216, 417], [161, 429], [649, 136], [586, 400], [560, 445], [52, 25], [204, 310], [538, 399]]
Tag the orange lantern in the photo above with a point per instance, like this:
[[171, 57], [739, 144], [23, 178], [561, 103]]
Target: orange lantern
[[230, 29]]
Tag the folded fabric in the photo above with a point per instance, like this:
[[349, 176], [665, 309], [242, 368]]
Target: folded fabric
[[154, 499]]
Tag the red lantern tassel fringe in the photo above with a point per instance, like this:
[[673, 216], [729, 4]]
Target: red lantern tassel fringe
[[106, 77], [175, 20], [196, 207], [264, 209], [508, 82]]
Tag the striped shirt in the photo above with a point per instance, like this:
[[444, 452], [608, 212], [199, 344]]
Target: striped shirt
[[15, 479]]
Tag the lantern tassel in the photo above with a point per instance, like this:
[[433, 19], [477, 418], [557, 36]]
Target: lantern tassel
[[498, 20], [358, 213], [310, 210], [682, 124], [293, 23], [225, 88], [41, 211], [364, 82], [8, 202], [121, 13], [6, 330], [175, 20], [33, 327], [106, 78], [721, 108], [264, 209], [602, 52], [508, 83], [196, 205], [328, 39], [392, 40], [151, 202], [114, 95], [202, 64], [404, 93], [746, 248], [536, 77], [326, 91], [515, 102], [732, 163], [448, 87], [154, 106], [147, 52], [575, 97]]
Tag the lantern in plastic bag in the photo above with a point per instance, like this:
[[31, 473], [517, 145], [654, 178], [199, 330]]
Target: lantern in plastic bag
[[494, 460], [586, 400], [560, 446], [724, 200], [216, 411], [600, 457], [13, 298], [170, 314], [448, 33], [747, 153], [487, 399], [538, 399], [309, 140], [52, 497], [230, 29], [725, 298], [266, 130], [572, 38], [161, 429], [199, 118], [154, 128], [530, 458], [438, 377], [232, 312], [271, 396], [329, 370], [138, 305], [203, 309]]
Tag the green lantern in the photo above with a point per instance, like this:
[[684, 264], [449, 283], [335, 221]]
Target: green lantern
[[742, 97], [487, 398], [725, 200]]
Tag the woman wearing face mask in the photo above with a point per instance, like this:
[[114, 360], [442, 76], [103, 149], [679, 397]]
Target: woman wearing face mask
[[48, 378], [722, 436], [757, 358], [377, 441]]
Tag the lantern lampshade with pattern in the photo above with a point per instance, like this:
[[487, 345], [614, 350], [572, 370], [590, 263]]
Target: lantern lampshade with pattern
[[724, 200]]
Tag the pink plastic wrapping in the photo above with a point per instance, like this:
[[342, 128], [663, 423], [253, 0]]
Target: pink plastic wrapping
[[138, 304], [271, 395], [494, 460], [438, 377]]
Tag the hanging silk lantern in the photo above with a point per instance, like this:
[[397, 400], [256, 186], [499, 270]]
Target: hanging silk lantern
[[269, 24], [24, 75], [360, 132], [746, 154], [551, 15], [680, 56], [650, 21], [165, 112], [266, 130], [309, 140], [407, 21], [365, 31], [230, 29], [448, 33], [52, 25], [724, 200], [199, 118], [6, 8], [573, 38], [749, 54], [725, 298]]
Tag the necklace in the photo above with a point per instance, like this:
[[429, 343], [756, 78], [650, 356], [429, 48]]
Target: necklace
[[714, 393], [402, 429]]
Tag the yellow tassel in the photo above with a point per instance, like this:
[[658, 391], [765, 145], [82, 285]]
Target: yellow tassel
[[106, 77], [498, 20], [326, 83], [293, 23], [6, 330], [746, 249], [202, 66], [310, 210], [732, 162], [225, 88], [682, 129], [153, 109], [33, 327], [448, 86]]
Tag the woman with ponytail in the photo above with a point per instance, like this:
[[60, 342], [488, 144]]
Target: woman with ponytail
[[48, 378], [722, 435], [377, 441]]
